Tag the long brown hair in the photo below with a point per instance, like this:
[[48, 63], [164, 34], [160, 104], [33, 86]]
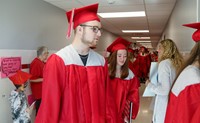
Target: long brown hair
[[112, 61], [171, 52], [194, 56]]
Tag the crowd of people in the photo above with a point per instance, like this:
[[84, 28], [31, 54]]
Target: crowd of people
[[78, 85]]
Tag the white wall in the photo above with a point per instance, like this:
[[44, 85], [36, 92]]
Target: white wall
[[6, 85], [106, 39], [184, 12], [198, 10], [26, 25]]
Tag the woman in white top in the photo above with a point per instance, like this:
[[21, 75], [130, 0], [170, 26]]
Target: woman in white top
[[169, 60]]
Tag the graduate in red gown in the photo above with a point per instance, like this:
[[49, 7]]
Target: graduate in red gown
[[132, 64], [184, 100], [75, 88], [144, 61], [132, 60], [123, 81]]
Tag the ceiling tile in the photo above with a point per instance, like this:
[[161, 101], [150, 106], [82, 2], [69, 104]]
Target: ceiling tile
[[157, 15]]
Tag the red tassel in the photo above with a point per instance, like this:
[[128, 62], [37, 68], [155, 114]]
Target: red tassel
[[69, 30]]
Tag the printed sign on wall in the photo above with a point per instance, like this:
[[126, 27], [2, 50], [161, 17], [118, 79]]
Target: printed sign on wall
[[9, 66]]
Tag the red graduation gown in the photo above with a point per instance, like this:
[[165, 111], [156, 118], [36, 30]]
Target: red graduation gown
[[126, 90], [134, 68], [184, 102], [144, 63], [186, 107], [74, 93]]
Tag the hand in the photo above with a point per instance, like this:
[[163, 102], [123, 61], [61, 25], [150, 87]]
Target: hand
[[31, 108], [147, 82], [126, 120], [27, 110]]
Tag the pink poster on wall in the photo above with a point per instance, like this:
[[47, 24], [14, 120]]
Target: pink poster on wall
[[9, 66]]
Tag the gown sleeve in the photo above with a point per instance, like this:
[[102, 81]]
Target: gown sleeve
[[133, 96], [111, 109], [53, 84], [188, 105], [196, 118], [185, 107], [171, 108]]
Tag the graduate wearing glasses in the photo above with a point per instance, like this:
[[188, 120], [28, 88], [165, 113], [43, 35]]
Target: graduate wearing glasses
[[75, 88]]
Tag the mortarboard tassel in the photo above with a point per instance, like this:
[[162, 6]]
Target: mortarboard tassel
[[69, 30]]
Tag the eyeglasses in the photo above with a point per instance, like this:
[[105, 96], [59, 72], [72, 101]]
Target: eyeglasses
[[95, 29]]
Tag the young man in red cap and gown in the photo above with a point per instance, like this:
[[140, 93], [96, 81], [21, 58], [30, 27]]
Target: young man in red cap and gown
[[75, 88], [184, 100], [123, 81]]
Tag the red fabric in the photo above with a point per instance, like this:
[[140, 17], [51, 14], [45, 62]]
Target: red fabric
[[31, 99], [196, 34], [118, 44], [154, 57], [19, 77], [25, 66], [69, 30], [171, 108], [36, 70], [69, 97], [196, 117], [144, 63], [125, 90], [134, 67], [83, 14], [185, 108]]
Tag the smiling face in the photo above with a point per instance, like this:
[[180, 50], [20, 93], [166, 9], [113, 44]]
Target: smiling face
[[121, 57]]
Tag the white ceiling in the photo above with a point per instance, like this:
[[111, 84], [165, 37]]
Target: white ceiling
[[157, 15]]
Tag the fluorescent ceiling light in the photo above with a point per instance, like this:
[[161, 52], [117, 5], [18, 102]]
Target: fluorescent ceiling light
[[140, 37], [134, 31], [122, 14], [143, 41]]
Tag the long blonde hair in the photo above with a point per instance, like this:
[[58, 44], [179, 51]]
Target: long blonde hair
[[171, 52]]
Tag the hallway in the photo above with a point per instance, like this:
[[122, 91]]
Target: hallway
[[145, 111]]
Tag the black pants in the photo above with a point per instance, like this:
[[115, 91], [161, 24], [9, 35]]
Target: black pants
[[37, 105]]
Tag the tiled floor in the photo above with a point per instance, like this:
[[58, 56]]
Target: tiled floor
[[145, 111]]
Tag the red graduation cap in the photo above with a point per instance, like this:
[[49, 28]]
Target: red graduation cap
[[196, 34], [118, 44], [20, 77], [78, 16]]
